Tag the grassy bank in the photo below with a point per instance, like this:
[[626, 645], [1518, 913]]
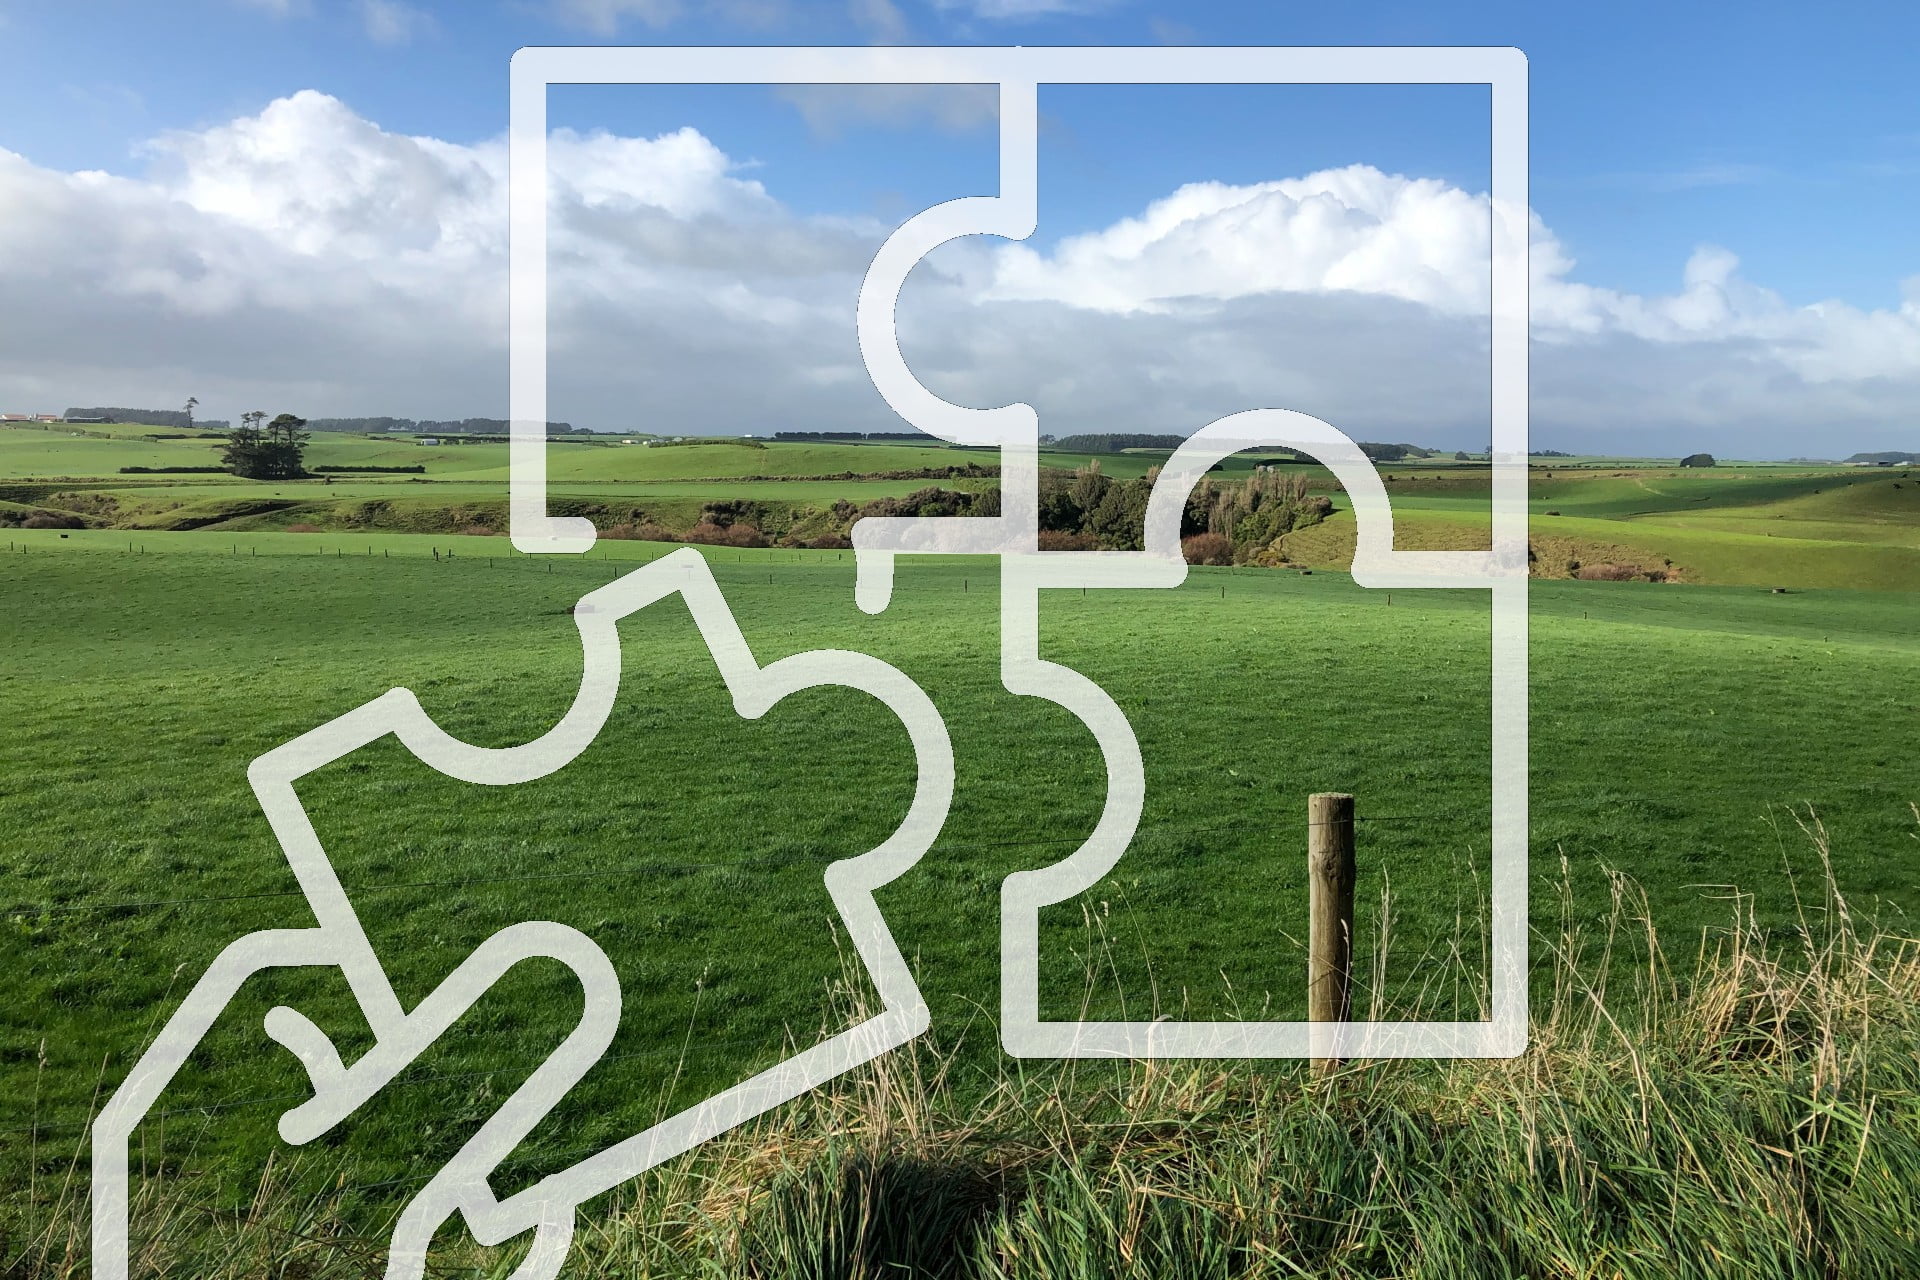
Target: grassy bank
[[1740, 1102], [1812, 526]]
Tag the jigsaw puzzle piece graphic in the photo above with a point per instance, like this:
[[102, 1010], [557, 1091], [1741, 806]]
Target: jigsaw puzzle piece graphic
[[1026, 572], [400, 1035]]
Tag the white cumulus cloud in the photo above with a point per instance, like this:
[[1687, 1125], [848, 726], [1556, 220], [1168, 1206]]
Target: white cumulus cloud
[[305, 258], [1354, 229]]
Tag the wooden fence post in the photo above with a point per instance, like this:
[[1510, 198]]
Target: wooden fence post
[[1330, 910]]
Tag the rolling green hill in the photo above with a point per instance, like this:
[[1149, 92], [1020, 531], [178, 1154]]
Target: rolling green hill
[[1670, 729], [1753, 525]]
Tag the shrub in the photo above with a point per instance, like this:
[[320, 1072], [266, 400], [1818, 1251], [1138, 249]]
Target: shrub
[[732, 535], [1608, 572], [1206, 548], [476, 531], [731, 512], [644, 531], [303, 528], [1061, 540], [52, 520]]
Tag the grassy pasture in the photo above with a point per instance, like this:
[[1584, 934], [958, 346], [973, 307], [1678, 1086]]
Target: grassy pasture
[[28, 452], [1852, 528], [1750, 525], [1670, 728]]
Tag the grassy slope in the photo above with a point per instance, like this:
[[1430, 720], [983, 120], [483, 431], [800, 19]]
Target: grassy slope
[[464, 484], [28, 452], [1754, 527], [1746, 525], [1668, 728]]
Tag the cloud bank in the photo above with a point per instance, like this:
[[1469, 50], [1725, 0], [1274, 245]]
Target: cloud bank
[[305, 258]]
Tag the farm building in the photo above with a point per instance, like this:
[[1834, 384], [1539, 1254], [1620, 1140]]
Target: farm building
[[429, 440], [16, 417], [46, 417]]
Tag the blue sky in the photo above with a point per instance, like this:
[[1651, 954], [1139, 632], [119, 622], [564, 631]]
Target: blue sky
[[1706, 180], [1789, 133]]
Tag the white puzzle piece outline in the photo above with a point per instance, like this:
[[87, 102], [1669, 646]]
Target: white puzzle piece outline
[[547, 1208], [400, 1035], [1013, 429]]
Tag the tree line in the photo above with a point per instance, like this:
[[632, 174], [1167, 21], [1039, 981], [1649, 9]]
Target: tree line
[[435, 426], [1223, 522], [916, 437], [1111, 442], [151, 417]]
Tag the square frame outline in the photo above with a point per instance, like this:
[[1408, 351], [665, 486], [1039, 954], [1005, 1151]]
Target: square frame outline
[[1503, 70]]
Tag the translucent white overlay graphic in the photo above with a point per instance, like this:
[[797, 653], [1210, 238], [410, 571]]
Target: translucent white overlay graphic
[[338, 940]]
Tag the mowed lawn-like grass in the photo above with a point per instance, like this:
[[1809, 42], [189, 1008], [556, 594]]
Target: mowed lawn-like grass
[[1671, 730]]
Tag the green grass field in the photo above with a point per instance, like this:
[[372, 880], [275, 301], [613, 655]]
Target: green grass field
[[1677, 729], [1744, 524], [1672, 728], [1759, 526]]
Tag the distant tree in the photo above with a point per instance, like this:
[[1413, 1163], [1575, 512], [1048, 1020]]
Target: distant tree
[[1116, 442], [192, 404], [1460, 455], [242, 452], [287, 442], [1088, 487], [1697, 460], [273, 452], [1057, 510], [1119, 518]]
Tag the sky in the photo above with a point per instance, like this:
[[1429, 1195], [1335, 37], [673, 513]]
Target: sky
[[300, 204]]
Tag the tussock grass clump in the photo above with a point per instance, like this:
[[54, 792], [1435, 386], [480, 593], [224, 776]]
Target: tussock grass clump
[[1750, 1109]]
